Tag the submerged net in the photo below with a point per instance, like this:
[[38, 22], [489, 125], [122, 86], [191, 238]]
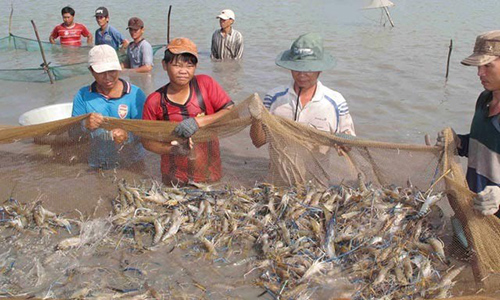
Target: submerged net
[[300, 217], [20, 60]]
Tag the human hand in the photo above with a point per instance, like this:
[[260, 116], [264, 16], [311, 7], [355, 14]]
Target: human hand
[[440, 141], [119, 135], [343, 149], [94, 121], [183, 148], [488, 201], [255, 108], [187, 128]]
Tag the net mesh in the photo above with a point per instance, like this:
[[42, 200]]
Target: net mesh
[[64, 62], [308, 215]]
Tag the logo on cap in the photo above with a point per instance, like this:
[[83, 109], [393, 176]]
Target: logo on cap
[[303, 51]]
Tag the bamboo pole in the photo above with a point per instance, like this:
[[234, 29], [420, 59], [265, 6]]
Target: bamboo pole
[[44, 65], [448, 62], [10, 18], [168, 24], [388, 15]]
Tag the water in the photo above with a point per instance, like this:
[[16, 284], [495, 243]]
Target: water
[[392, 78]]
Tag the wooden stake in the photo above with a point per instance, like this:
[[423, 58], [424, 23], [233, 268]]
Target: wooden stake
[[448, 62], [168, 24], [44, 65], [388, 15], [10, 18]]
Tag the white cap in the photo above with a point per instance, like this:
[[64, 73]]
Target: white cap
[[103, 58], [226, 14]]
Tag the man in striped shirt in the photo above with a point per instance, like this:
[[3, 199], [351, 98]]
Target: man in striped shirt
[[227, 43]]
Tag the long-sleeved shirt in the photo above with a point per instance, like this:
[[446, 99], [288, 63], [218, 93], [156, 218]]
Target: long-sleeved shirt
[[229, 46]]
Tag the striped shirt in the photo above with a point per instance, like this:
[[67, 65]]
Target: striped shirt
[[227, 47], [327, 110]]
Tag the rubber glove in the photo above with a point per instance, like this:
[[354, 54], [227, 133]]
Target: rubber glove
[[488, 201], [187, 128]]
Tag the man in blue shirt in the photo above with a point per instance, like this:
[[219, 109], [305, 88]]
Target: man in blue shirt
[[108, 96], [107, 34]]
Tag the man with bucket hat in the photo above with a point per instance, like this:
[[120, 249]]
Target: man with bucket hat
[[108, 96], [482, 144], [306, 99]]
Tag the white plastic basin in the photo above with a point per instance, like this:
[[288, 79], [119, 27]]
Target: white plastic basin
[[46, 114]]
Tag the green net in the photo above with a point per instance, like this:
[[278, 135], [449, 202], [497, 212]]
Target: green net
[[18, 63]]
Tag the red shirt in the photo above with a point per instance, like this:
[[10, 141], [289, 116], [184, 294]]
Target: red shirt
[[70, 36], [206, 165]]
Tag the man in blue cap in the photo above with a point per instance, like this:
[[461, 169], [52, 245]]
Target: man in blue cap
[[306, 99]]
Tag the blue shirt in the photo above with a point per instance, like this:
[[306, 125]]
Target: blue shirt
[[104, 152], [140, 54], [110, 36]]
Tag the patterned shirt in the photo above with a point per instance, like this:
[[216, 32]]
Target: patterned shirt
[[70, 36], [227, 47]]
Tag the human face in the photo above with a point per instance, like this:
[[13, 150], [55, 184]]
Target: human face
[[179, 72], [305, 80], [224, 24], [136, 33], [489, 75], [102, 21], [68, 19], [106, 80]]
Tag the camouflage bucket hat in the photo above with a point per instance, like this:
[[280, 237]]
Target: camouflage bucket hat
[[306, 55]]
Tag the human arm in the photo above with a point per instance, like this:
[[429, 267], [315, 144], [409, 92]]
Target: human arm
[[90, 40], [461, 141], [257, 132], [214, 53], [53, 36], [125, 43]]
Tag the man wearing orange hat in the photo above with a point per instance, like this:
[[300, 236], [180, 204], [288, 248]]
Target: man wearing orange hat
[[482, 144], [193, 101], [227, 43]]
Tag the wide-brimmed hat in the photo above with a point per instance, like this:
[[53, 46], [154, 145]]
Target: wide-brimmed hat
[[182, 45], [486, 49], [306, 55], [103, 58]]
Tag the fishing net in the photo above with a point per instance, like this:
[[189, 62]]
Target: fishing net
[[307, 215], [20, 60]]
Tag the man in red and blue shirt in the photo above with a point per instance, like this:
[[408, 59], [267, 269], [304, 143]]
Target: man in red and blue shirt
[[193, 102], [69, 32]]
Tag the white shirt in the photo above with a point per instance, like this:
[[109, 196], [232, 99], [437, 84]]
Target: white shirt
[[327, 110]]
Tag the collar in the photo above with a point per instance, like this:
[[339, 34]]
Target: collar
[[106, 29], [318, 94], [229, 33], [68, 27], [136, 44], [126, 89]]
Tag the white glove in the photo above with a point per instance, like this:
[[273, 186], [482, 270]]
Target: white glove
[[488, 201], [441, 140], [255, 108]]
